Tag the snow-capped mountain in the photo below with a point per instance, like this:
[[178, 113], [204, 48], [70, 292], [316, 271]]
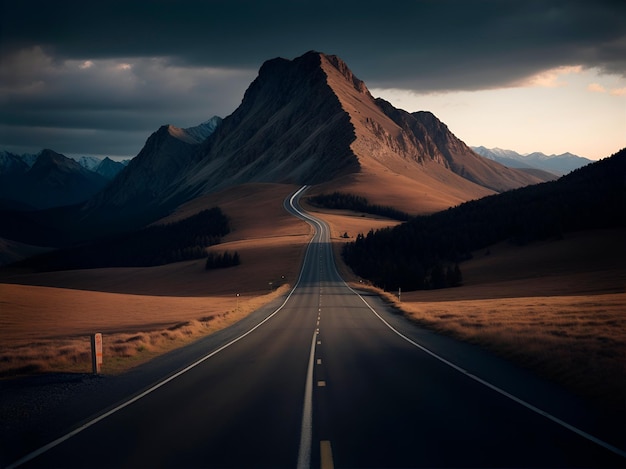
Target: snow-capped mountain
[[11, 164], [201, 132], [555, 164], [9, 159], [88, 162]]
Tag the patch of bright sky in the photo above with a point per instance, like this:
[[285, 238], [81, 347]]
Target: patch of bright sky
[[568, 109]]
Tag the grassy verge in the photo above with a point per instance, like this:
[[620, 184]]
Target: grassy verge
[[577, 341], [121, 350]]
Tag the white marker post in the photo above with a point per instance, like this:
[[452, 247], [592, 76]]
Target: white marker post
[[96, 353]]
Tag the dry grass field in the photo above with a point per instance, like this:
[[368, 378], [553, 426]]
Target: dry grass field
[[46, 318], [558, 307], [47, 329]]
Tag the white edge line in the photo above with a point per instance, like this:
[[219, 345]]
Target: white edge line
[[67, 436], [306, 431], [495, 388]]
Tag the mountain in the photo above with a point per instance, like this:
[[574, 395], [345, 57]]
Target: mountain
[[201, 132], [558, 164], [109, 168], [11, 165], [53, 180], [138, 193], [89, 162], [435, 140], [29, 159], [555, 164], [310, 121]]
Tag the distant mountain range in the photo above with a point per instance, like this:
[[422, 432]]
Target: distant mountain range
[[555, 164], [69, 181], [49, 179]]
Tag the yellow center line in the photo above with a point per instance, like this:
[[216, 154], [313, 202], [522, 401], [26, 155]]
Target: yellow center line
[[326, 455]]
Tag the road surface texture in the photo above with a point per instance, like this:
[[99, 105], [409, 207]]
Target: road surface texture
[[324, 378]]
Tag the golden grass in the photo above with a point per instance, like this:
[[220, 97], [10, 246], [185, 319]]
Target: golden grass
[[47, 329], [47, 317], [579, 341]]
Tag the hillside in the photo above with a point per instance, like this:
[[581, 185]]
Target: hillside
[[426, 251]]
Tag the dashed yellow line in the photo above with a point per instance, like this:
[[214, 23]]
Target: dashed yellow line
[[326, 455]]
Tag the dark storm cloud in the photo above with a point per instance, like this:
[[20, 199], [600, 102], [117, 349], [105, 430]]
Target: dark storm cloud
[[398, 43], [106, 106], [175, 51]]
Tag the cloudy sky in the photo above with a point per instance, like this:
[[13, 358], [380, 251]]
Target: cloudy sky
[[98, 77]]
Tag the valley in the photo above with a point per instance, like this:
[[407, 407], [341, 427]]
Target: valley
[[436, 310], [495, 265], [508, 295]]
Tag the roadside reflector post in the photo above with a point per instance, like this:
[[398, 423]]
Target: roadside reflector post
[[96, 353]]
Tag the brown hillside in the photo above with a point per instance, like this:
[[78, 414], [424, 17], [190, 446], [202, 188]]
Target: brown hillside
[[269, 240]]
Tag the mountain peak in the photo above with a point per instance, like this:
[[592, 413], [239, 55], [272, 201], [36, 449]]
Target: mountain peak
[[48, 159], [343, 68], [181, 135]]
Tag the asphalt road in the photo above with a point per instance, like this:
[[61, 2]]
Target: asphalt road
[[332, 378]]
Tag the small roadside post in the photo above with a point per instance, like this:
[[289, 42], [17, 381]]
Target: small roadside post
[[96, 353]]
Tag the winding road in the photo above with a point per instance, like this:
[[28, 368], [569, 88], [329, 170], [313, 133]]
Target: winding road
[[331, 377]]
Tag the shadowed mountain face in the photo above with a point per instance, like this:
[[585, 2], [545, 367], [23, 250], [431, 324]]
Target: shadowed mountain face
[[305, 121], [53, 180], [166, 153], [290, 127], [109, 168]]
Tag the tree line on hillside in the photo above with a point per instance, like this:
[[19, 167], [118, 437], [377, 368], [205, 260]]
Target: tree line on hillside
[[420, 253], [154, 245], [216, 260], [356, 203]]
